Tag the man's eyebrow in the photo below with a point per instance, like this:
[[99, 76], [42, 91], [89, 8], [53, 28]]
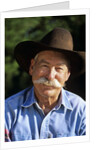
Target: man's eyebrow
[[46, 62], [43, 61], [61, 64]]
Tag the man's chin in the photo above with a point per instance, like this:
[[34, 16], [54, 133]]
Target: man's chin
[[47, 91], [50, 91]]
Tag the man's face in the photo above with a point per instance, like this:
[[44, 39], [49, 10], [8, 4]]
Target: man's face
[[51, 66]]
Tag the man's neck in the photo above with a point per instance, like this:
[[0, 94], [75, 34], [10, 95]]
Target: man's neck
[[47, 107], [47, 103]]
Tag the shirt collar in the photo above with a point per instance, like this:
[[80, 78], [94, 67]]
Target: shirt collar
[[30, 99], [65, 100]]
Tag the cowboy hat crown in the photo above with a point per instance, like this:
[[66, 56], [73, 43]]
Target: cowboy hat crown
[[59, 38]]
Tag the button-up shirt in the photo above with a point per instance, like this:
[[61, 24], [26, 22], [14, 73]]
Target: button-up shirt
[[25, 120]]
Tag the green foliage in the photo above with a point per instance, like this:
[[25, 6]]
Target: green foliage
[[21, 29]]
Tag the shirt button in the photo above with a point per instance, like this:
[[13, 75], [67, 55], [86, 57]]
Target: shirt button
[[49, 136]]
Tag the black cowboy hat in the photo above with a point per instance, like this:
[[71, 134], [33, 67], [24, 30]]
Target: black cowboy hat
[[59, 40]]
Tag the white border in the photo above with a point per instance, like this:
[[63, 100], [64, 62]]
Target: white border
[[43, 142], [6, 5]]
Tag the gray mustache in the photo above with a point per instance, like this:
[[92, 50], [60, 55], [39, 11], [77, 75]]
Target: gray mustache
[[43, 80]]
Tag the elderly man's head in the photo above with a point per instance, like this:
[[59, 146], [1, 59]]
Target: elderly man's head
[[49, 71]]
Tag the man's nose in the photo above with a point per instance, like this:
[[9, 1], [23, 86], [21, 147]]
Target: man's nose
[[51, 74]]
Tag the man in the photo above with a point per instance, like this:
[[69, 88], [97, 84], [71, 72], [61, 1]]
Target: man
[[46, 110]]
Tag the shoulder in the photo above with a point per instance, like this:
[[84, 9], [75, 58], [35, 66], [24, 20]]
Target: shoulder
[[17, 99]]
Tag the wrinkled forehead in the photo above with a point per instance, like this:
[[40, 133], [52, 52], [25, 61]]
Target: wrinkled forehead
[[51, 56]]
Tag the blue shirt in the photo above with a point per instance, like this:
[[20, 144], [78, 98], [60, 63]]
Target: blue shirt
[[25, 120]]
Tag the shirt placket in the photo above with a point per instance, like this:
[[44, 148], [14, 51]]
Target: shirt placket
[[44, 131]]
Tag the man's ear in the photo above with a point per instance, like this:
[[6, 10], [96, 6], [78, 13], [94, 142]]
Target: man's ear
[[31, 67]]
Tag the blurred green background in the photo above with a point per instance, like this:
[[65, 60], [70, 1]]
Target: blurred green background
[[34, 28]]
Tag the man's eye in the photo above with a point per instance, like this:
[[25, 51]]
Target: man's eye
[[59, 68], [45, 66]]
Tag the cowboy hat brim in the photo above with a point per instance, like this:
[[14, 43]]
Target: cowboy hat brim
[[26, 50]]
